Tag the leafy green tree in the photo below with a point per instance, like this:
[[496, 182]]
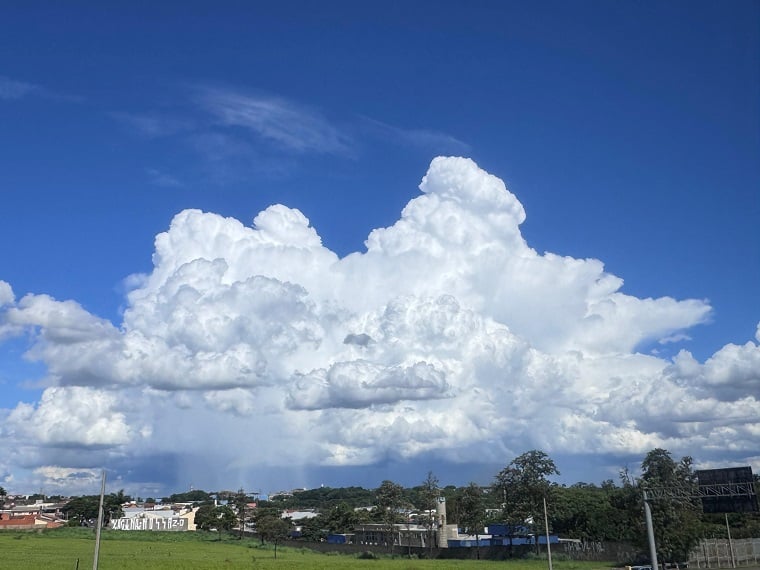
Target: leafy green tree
[[84, 510], [208, 517], [742, 525], [586, 511], [628, 516], [273, 529], [204, 516], [264, 511], [522, 486], [113, 502], [341, 519], [226, 518], [81, 510], [472, 514], [196, 496], [314, 529], [390, 499], [325, 498], [241, 503], [676, 517]]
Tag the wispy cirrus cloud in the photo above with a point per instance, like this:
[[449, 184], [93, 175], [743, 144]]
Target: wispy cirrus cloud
[[425, 139], [289, 125], [12, 89], [236, 133], [163, 179], [153, 125]]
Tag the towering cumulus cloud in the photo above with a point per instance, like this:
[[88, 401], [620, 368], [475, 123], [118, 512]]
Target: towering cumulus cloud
[[259, 346]]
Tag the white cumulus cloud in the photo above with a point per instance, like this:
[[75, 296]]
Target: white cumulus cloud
[[6, 294], [71, 416], [448, 336]]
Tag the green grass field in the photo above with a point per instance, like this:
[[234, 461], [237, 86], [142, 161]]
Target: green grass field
[[60, 549]]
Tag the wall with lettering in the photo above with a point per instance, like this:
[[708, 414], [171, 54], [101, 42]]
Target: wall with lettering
[[150, 523]]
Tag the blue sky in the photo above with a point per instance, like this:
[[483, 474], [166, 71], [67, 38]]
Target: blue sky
[[628, 131]]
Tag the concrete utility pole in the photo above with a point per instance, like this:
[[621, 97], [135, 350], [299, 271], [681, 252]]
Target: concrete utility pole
[[650, 532], [548, 546], [100, 522]]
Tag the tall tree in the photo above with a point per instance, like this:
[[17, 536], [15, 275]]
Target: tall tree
[[676, 512], [341, 518], [587, 512], [472, 514], [196, 496], [241, 502], [204, 519], [522, 486], [314, 529], [84, 510], [209, 517], [390, 499], [273, 529], [429, 495]]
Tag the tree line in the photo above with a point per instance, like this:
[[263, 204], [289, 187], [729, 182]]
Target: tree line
[[611, 511]]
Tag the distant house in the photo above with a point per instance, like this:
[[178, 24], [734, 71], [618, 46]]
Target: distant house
[[20, 522], [35, 515], [28, 522]]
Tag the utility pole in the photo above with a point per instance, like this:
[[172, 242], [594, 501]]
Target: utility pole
[[548, 546], [243, 501], [650, 532], [100, 521]]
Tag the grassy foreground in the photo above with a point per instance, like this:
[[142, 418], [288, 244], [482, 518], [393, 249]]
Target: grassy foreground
[[181, 551]]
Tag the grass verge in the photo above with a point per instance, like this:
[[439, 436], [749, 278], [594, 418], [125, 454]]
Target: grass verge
[[65, 548]]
